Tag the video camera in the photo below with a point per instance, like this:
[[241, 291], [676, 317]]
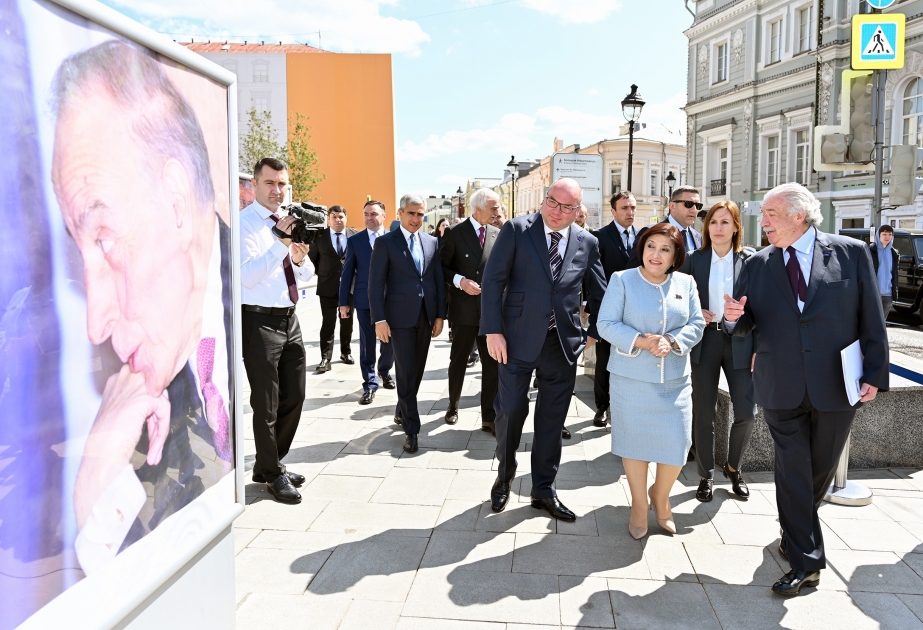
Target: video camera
[[311, 218]]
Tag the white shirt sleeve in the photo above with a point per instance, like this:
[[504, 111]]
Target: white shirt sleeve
[[457, 280], [255, 266], [110, 520], [305, 272]]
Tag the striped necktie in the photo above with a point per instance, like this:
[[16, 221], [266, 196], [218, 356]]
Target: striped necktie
[[556, 264]]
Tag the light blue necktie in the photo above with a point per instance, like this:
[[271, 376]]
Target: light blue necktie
[[417, 254]]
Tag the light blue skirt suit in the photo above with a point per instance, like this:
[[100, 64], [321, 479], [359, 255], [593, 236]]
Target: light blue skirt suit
[[650, 397]]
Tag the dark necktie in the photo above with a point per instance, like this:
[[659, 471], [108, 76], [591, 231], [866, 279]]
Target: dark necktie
[[556, 264], [627, 240], [339, 245], [687, 240], [795, 277], [481, 233], [289, 272]]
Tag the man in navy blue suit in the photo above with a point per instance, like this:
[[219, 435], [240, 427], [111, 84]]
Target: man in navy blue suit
[[530, 312], [354, 281], [407, 296]]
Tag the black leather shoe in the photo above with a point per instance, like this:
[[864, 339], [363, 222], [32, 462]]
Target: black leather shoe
[[397, 421], [473, 359], [323, 366], [296, 479], [451, 415], [738, 485], [387, 381], [499, 495], [489, 427], [565, 433], [410, 444], [782, 550], [705, 492], [367, 398], [347, 359], [599, 420], [555, 508], [283, 491], [792, 582]]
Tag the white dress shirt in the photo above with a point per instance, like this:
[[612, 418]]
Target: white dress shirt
[[262, 277], [562, 243], [374, 235], [333, 240], [477, 226], [720, 282], [804, 252], [118, 506]]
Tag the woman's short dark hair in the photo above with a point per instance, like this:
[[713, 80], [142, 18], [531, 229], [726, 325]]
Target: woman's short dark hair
[[668, 230]]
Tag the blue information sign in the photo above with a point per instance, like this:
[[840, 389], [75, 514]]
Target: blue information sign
[[880, 4]]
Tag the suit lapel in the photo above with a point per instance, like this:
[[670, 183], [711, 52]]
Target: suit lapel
[[429, 251], [777, 267], [574, 241], [704, 276], [537, 232], [818, 265], [468, 235], [405, 251], [614, 233], [489, 238]]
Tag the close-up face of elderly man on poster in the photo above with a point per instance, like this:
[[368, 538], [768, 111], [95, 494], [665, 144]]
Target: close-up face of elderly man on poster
[[131, 175]]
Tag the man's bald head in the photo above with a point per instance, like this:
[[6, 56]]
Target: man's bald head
[[561, 204]]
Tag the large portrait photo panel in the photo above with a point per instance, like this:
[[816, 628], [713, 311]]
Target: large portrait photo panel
[[117, 344]]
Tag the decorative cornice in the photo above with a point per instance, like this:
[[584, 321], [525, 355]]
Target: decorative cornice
[[749, 84]]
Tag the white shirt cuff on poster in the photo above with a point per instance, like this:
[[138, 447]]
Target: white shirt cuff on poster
[[112, 517]]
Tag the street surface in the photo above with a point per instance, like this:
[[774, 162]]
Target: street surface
[[388, 540]]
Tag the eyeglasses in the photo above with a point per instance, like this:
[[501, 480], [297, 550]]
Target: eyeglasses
[[563, 207], [690, 204]]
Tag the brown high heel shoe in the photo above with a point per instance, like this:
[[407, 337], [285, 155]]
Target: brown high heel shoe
[[665, 523]]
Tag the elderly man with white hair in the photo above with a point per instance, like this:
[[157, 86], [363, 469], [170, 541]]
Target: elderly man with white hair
[[808, 296]]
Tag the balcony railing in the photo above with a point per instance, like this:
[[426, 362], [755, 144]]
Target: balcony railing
[[718, 187]]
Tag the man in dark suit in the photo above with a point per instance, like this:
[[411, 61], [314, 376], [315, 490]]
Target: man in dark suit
[[328, 254], [530, 312], [684, 208], [808, 295], [354, 288], [465, 250], [407, 298], [616, 243]]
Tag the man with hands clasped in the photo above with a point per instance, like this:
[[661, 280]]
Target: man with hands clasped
[[808, 296]]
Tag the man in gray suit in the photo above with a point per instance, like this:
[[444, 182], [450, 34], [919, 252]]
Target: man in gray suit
[[808, 295]]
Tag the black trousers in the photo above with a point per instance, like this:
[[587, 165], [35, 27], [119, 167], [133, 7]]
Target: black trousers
[[716, 354], [601, 377], [330, 314], [555, 388], [463, 338], [275, 363], [808, 446], [411, 347]]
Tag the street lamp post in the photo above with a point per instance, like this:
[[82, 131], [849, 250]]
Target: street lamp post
[[671, 179], [461, 206], [631, 110], [513, 168]]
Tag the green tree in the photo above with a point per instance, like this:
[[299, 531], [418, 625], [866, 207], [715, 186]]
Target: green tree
[[304, 172], [260, 141]]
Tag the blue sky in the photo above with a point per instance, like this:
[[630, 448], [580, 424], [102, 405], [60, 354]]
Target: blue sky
[[475, 80]]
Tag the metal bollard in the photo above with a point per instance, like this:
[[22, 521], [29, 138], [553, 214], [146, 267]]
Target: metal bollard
[[843, 491]]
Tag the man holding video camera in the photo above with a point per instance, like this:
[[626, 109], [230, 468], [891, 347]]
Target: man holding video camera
[[273, 351]]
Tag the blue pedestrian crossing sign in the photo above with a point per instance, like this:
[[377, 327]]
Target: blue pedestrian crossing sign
[[878, 41], [880, 4]]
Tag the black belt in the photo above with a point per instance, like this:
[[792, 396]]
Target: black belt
[[287, 311], [715, 326]]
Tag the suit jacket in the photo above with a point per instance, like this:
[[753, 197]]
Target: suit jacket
[[612, 251], [636, 255], [842, 306], [354, 279], [397, 290], [698, 265], [461, 254], [518, 295], [328, 265]]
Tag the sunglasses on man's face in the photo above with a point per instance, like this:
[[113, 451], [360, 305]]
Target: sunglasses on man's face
[[690, 204]]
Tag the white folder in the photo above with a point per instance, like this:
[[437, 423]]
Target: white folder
[[851, 357]]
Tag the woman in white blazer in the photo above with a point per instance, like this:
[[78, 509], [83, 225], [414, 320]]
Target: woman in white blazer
[[653, 318]]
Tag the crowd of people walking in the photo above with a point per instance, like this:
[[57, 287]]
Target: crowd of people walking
[[667, 308]]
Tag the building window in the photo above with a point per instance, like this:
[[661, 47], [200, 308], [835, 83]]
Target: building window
[[802, 148], [723, 164], [913, 113], [261, 104], [655, 182], [772, 161], [804, 29], [260, 74], [775, 41], [853, 223], [722, 63], [615, 180]]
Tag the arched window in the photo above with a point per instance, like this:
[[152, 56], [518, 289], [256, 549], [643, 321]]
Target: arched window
[[913, 113]]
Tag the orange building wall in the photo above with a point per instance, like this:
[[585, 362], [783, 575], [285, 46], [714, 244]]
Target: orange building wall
[[348, 101]]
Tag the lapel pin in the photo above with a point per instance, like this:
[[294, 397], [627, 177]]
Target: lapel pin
[[580, 237]]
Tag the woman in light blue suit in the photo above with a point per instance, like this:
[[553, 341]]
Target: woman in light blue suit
[[653, 318]]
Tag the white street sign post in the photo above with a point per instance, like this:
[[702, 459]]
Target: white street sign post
[[587, 169]]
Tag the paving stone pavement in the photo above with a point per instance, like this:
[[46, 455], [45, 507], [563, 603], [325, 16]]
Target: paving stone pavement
[[388, 540]]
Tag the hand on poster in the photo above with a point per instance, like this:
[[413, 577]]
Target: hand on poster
[[125, 410]]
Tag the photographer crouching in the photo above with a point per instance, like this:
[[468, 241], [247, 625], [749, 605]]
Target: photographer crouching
[[274, 256]]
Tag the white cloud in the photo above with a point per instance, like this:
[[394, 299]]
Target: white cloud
[[517, 132], [575, 11], [345, 25], [593, 92]]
